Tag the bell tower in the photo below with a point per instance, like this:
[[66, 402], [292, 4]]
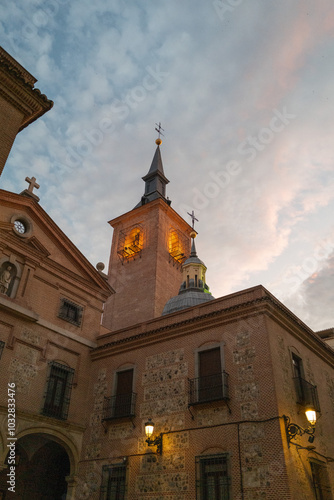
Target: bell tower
[[149, 245]]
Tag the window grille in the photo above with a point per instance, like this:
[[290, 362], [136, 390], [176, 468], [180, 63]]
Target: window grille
[[210, 388], [212, 383], [307, 393], [122, 405], [113, 482], [2, 345], [213, 480], [71, 312], [320, 481], [58, 391]]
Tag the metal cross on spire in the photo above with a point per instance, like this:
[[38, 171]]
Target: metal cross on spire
[[159, 129], [193, 218]]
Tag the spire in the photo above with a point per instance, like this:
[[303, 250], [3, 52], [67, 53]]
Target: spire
[[193, 248], [193, 290], [155, 180]]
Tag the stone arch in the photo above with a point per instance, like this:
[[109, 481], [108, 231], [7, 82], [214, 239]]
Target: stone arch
[[58, 437], [46, 464]]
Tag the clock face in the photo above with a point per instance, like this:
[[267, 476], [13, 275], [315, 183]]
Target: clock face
[[20, 227]]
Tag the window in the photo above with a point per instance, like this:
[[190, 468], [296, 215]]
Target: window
[[71, 312], [58, 391], [122, 404], [212, 382], [130, 243], [213, 479], [2, 345], [298, 373], [177, 245], [113, 482], [320, 480], [306, 392]]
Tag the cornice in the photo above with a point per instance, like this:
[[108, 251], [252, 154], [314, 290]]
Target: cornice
[[16, 67], [11, 307], [52, 422], [266, 304], [143, 209], [18, 89]]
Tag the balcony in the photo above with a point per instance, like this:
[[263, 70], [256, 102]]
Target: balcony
[[207, 389], [120, 406], [307, 393]]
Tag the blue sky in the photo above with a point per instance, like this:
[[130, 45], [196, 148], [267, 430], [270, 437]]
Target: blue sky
[[244, 91]]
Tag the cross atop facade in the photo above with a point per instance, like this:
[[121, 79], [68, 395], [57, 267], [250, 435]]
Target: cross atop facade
[[159, 129], [32, 184], [193, 218]]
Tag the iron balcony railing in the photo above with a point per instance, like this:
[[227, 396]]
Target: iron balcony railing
[[307, 393], [206, 389], [122, 405]]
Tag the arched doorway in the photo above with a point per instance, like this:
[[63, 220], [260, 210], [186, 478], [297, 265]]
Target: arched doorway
[[41, 469]]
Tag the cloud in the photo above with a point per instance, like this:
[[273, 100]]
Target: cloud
[[222, 80]]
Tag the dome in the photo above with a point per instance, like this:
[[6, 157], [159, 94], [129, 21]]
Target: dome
[[185, 300]]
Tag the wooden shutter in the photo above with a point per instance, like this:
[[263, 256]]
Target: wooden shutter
[[124, 395], [210, 386], [124, 382], [209, 362]]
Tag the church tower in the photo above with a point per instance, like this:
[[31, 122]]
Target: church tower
[[149, 245]]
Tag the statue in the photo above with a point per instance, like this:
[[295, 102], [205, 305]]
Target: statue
[[5, 279]]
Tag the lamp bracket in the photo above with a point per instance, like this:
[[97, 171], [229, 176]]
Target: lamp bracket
[[293, 430], [156, 442]]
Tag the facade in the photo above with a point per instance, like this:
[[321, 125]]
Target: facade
[[217, 380], [20, 102], [225, 381], [51, 302]]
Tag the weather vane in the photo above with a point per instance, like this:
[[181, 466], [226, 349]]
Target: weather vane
[[159, 129], [193, 218]]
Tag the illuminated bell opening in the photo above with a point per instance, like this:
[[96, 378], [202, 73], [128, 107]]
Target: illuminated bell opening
[[149, 428], [311, 415]]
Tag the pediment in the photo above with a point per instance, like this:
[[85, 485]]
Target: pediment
[[35, 233], [37, 245]]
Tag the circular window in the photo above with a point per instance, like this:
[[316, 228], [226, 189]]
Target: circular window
[[20, 226]]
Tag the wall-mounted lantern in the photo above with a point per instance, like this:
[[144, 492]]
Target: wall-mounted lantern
[[149, 430], [293, 430]]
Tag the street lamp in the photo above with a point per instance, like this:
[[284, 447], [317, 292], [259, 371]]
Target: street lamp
[[292, 430], [149, 430]]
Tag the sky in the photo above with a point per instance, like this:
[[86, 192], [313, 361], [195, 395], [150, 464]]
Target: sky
[[244, 92]]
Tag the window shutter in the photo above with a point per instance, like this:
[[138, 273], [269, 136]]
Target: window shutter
[[209, 362], [124, 395]]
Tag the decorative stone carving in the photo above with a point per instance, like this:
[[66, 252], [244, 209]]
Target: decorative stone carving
[[7, 274]]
